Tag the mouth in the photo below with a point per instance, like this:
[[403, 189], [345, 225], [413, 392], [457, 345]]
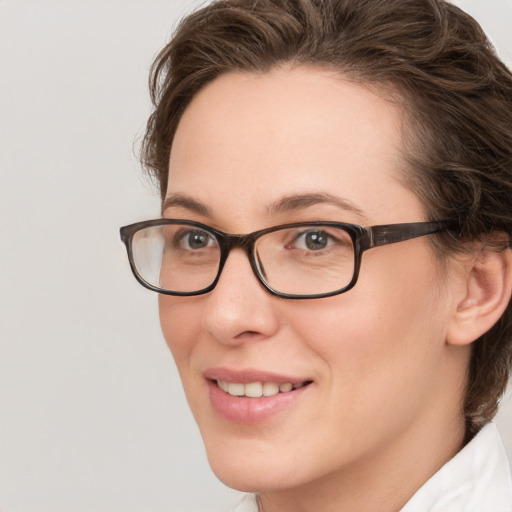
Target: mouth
[[258, 389], [252, 396], [249, 397]]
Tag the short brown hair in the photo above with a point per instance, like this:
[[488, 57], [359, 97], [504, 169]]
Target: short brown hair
[[458, 111]]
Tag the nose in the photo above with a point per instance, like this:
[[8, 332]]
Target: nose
[[239, 308]]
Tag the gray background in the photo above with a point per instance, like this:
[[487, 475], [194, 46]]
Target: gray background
[[92, 415]]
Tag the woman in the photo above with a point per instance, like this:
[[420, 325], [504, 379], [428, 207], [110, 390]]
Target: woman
[[329, 366]]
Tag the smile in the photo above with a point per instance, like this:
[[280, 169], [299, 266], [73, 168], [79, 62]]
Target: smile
[[257, 389], [249, 397]]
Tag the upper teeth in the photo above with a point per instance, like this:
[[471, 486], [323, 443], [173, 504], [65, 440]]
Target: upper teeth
[[256, 389]]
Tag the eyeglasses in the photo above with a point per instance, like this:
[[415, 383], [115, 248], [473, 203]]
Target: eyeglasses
[[304, 260]]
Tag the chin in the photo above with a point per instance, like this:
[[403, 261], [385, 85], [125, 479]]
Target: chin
[[253, 468], [250, 478]]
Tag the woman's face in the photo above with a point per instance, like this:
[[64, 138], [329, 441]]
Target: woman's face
[[374, 359]]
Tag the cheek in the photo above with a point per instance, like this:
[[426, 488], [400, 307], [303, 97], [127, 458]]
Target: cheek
[[382, 339], [180, 323]]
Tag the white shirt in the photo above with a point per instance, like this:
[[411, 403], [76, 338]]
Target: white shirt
[[477, 479]]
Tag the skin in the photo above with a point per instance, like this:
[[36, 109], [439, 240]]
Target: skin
[[383, 412]]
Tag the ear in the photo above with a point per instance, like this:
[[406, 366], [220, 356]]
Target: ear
[[485, 294]]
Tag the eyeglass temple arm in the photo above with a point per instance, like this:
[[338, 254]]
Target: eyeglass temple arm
[[392, 233]]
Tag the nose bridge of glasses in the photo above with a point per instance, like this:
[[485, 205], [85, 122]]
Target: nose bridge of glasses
[[244, 242], [228, 242]]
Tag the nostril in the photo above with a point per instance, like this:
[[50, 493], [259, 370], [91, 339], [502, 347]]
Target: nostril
[[247, 334]]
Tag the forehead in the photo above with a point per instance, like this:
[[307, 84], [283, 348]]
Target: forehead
[[248, 139]]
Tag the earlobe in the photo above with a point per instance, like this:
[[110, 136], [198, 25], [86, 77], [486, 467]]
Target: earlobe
[[486, 294]]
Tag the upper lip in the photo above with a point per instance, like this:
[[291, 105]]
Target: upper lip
[[249, 375]]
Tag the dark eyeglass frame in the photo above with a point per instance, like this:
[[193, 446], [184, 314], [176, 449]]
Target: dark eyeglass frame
[[362, 239]]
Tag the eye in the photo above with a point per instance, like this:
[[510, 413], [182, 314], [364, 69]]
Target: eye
[[194, 239], [314, 240]]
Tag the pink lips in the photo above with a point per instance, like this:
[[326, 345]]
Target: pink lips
[[249, 411]]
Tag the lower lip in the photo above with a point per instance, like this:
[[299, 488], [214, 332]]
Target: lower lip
[[250, 411]]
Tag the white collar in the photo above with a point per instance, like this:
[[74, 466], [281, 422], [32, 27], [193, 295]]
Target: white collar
[[477, 479]]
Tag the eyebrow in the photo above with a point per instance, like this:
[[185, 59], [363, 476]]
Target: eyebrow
[[296, 202], [185, 202], [285, 204]]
